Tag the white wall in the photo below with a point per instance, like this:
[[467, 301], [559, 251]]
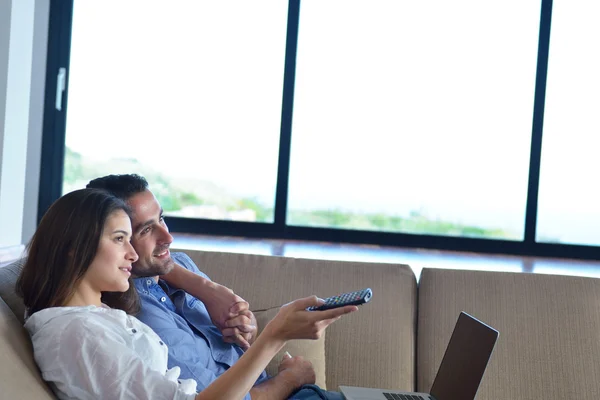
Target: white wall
[[36, 117], [23, 37], [5, 13]]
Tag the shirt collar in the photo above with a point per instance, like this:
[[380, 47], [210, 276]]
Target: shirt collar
[[146, 283]]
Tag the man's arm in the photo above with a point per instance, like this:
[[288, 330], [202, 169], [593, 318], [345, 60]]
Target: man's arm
[[228, 311]]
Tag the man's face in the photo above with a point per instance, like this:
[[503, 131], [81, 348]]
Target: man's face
[[151, 238]]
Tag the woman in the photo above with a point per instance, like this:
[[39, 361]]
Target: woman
[[87, 350]]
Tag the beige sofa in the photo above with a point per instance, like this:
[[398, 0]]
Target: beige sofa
[[549, 344]]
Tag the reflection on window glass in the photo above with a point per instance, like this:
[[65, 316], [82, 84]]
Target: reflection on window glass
[[414, 116], [187, 95], [569, 195]]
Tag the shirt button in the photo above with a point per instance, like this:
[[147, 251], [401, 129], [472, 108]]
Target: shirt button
[[163, 299], [133, 331], [161, 343], [149, 281], [145, 292]]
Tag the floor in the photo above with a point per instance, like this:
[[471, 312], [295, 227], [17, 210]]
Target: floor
[[416, 258]]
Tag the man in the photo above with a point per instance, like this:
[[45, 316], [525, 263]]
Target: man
[[204, 337]]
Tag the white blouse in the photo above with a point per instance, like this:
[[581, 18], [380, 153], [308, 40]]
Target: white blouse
[[102, 353]]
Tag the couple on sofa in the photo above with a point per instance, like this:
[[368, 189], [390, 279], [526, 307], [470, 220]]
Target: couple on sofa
[[79, 263]]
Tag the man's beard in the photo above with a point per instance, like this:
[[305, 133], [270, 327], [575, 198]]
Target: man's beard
[[153, 268]]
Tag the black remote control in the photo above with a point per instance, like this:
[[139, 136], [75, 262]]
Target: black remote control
[[347, 299]]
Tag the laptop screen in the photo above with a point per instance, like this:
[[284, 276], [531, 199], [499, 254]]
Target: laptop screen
[[465, 360]]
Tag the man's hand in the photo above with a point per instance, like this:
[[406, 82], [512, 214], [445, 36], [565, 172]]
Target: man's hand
[[231, 315], [241, 329], [223, 305], [219, 300], [293, 373], [228, 311], [296, 371]]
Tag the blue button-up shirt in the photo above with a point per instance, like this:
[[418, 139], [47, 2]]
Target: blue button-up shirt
[[183, 323]]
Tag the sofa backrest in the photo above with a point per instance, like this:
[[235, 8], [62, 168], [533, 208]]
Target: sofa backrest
[[549, 344], [374, 347], [8, 278], [19, 375], [385, 359]]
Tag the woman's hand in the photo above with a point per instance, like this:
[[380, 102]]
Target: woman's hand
[[294, 322]]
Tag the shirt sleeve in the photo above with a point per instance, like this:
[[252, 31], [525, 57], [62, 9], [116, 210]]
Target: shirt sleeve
[[95, 363]]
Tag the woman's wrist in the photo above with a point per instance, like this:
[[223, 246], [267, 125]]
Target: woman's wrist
[[270, 336]]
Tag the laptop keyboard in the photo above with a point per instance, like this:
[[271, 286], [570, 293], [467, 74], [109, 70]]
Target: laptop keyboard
[[396, 396]]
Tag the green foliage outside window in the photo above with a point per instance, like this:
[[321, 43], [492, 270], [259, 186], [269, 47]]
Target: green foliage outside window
[[177, 196]]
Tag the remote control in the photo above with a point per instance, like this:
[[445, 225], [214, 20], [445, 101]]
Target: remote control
[[347, 299]]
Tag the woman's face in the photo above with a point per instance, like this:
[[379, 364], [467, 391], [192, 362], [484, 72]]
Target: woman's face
[[111, 268]]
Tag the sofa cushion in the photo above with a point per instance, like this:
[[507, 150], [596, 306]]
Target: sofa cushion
[[8, 279], [374, 347], [311, 350], [19, 375], [549, 344]]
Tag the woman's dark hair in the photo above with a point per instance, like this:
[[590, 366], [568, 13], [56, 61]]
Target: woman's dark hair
[[63, 247]]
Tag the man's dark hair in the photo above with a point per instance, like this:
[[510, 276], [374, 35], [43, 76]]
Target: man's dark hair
[[63, 247], [122, 186]]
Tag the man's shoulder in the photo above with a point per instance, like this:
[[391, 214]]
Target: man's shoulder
[[186, 262]]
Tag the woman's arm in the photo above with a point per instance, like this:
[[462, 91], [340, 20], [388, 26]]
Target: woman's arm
[[291, 322], [93, 359], [237, 381]]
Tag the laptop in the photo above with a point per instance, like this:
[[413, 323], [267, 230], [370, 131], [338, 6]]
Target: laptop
[[460, 372]]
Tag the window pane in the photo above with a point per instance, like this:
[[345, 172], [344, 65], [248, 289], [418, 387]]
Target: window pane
[[414, 116], [186, 93], [569, 196]]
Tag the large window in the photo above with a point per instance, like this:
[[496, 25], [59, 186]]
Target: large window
[[569, 201], [414, 116], [186, 93], [468, 125]]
